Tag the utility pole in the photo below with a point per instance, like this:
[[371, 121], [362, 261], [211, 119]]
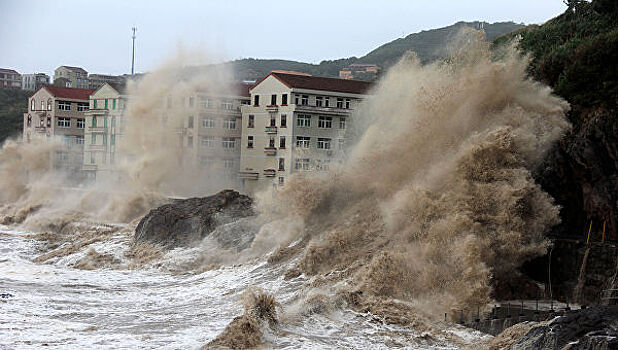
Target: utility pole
[[133, 54]]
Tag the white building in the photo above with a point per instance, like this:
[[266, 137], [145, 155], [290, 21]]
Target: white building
[[296, 122]]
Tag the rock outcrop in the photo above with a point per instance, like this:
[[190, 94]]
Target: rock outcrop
[[188, 221], [592, 329]]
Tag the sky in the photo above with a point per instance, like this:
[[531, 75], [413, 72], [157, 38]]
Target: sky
[[40, 35]]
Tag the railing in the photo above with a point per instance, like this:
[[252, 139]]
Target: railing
[[271, 129], [248, 175], [97, 129], [269, 172], [323, 109], [270, 151]]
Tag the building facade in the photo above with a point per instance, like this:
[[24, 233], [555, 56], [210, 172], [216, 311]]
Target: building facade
[[105, 125], [95, 81], [210, 133], [33, 82], [295, 123], [57, 112], [360, 71], [10, 79], [73, 77]]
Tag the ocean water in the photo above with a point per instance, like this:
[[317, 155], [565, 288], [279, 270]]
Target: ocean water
[[57, 306]]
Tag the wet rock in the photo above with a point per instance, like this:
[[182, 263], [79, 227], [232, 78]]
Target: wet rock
[[592, 328], [188, 221]]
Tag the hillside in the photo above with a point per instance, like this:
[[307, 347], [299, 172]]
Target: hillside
[[428, 45], [13, 105]]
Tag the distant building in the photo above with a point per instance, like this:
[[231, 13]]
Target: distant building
[[59, 112], [33, 82], [105, 124], [9, 79], [296, 123], [97, 80], [72, 77], [359, 70]]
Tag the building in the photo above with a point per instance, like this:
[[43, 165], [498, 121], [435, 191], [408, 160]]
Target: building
[[33, 82], [9, 79], [359, 71], [97, 80], [59, 112], [73, 77], [211, 130], [296, 122], [105, 125]]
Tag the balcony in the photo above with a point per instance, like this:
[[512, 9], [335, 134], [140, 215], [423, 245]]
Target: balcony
[[272, 108], [269, 172], [95, 147], [248, 175], [321, 109], [40, 129], [97, 129], [270, 151], [271, 129]]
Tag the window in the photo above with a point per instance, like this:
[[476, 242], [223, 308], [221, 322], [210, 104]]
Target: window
[[251, 122], [107, 106], [62, 105], [91, 157], [318, 101], [49, 122], [323, 143], [43, 105], [93, 139], [191, 102], [205, 103], [190, 141], [64, 122], [94, 104], [112, 140], [284, 99], [114, 104], [228, 142], [229, 165], [207, 141], [282, 142], [94, 121], [325, 122], [273, 99], [49, 104], [207, 162], [249, 141], [67, 141], [256, 100], [326, 102], [281, 164], [347, 103], [29, 120], [341, 143], [284, 121], [32, 105], [304, 100], [281, 180], [303, 120], [229, 123], [105, 122], [79, 140], [227, 105], [105, 139], [81, 107], [113, 121], [271, 142], [208, 122], [322, 165], [273, 121], [81, 123], [341, 122], [190, 122], [339, 102], [302, 164], [302, 141]]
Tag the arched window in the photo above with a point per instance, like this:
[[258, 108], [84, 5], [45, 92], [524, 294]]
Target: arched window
[[49, 104], [32, 105], [29, 120]]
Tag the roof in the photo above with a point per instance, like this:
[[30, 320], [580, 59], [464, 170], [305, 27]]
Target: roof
[[305, 81], [74, 68], [4, 70], [121, 88], [241, 89], [64, 92]]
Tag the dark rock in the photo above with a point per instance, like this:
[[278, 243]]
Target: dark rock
[[592, 328], [188, 221], [6, 295]]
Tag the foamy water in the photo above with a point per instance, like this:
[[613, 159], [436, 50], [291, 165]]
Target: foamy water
[[65, 308]]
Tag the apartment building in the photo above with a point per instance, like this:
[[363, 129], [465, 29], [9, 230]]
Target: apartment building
[[59, 112], [105, 125], [73, 77], [33, 82], [9, 79], [97, 80], [295, 123], [360, 71], [210, 133]]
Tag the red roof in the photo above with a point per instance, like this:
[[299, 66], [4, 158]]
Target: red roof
[[305, 81], [65, 92], [4, 70]]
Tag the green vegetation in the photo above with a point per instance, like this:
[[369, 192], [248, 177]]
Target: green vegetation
[[13, 105], [576, 52], [429, 45]]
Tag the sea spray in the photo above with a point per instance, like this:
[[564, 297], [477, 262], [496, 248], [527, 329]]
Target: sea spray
[[436, 197]]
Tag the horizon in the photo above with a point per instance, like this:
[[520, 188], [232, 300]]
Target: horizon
[[206, 35]]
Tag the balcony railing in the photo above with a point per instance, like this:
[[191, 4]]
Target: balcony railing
[[269, 172], [248, 175], [323, 109], [97, 129], [272, 108], [40, 129], [270, 151], [97, 147], [271, 129]]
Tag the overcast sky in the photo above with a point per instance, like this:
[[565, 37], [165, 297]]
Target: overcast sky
[[40, 35]]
